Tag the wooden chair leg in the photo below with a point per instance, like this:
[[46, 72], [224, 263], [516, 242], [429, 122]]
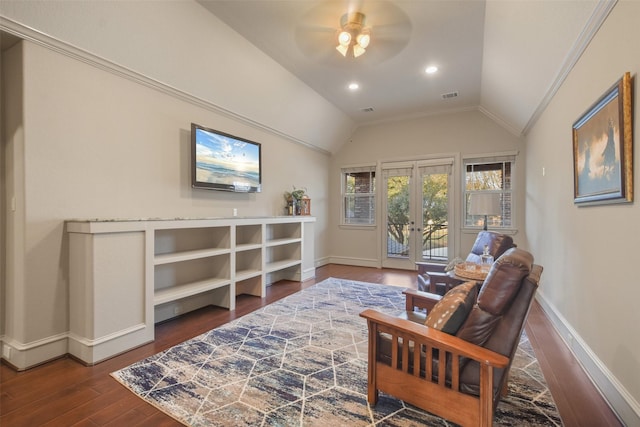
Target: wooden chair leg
[[486, 396], [505, 386], [372, 386], [372, 395]]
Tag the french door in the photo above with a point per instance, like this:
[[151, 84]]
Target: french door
[[417, 212]]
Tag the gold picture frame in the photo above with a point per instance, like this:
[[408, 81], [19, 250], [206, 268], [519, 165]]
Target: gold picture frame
[[603, 148]]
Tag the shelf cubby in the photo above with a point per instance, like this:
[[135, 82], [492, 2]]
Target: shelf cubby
[[248, 264], [178, 280], [250, 286], [283, 233], [248, 236], [284, 271], [283, 253], [191, 240]]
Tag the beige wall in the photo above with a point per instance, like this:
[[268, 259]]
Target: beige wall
[[458, 135], [12, 222], [184, 46], [590, 282], [3, 217], [87, 138], [100, 146]]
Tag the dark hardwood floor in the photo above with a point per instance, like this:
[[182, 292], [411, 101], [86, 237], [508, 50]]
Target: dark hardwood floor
[[64, 392]]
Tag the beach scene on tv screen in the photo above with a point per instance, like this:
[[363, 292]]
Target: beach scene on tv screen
[[224, 160]]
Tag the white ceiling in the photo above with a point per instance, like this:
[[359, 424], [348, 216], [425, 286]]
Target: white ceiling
[[503, 57]]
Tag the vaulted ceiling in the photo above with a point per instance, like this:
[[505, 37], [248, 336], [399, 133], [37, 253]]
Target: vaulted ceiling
[[505, 58]]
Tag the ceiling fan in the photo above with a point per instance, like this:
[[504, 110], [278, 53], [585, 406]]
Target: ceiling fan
[[383, 28]]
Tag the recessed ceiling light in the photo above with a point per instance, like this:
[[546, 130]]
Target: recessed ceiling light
[[431, 69], [354, 86]]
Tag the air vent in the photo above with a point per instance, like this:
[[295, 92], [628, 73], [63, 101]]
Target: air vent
[[449, 95], [367, 110]]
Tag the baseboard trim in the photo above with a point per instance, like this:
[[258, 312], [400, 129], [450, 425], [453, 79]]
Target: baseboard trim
[[91, 352], [614, 393], [24, 356], [322, 261], [359, 262], [308, 273]]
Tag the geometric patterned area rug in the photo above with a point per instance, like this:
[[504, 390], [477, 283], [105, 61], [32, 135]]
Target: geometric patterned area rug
[[302, 361]]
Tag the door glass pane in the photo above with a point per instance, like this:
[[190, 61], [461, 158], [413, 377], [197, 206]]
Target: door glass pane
[[398, 214], [435, 203]]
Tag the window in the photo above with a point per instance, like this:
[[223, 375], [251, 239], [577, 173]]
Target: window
[[494, 175], [358, 195]]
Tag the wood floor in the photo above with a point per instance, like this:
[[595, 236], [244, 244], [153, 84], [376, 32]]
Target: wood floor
[[66, 393]]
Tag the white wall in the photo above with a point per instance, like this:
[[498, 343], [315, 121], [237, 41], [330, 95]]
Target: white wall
[[590, 281], [459, 134], [184, 46], [104, 147], [12, 153], [2, 198], [88, 138], [3, 217]]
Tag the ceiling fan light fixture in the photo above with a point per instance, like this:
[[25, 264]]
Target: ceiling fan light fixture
[[353, 35]]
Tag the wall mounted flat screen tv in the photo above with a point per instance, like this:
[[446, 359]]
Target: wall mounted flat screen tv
[[224, 162]]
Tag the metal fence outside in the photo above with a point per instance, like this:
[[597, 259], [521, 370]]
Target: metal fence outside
[[434, 242]]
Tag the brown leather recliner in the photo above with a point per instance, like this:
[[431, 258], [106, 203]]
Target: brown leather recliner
[[456, 376], [440, 282]]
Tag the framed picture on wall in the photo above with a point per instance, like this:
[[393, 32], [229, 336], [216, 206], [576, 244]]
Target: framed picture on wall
[[603, 148]]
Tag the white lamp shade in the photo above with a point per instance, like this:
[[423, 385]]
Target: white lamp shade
[[344, 38], [358, 50], [363, 40], [484, 204]]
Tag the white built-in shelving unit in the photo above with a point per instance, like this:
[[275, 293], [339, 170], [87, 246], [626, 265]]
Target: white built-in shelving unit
[[126, 275]]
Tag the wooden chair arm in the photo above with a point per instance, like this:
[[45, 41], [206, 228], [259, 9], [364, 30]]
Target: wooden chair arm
[[426, 267], [430, 279], [437, 277], [436, 339], [419, 299], [410, 373]]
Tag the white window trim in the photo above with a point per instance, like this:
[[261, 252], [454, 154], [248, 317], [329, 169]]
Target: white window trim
[[364, 167], [500, 156]]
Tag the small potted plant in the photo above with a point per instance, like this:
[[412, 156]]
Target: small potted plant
[[293, 199]]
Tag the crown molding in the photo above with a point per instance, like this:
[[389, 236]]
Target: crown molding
[[32, 35], [599, 15], [501, 122], [413, 116]]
